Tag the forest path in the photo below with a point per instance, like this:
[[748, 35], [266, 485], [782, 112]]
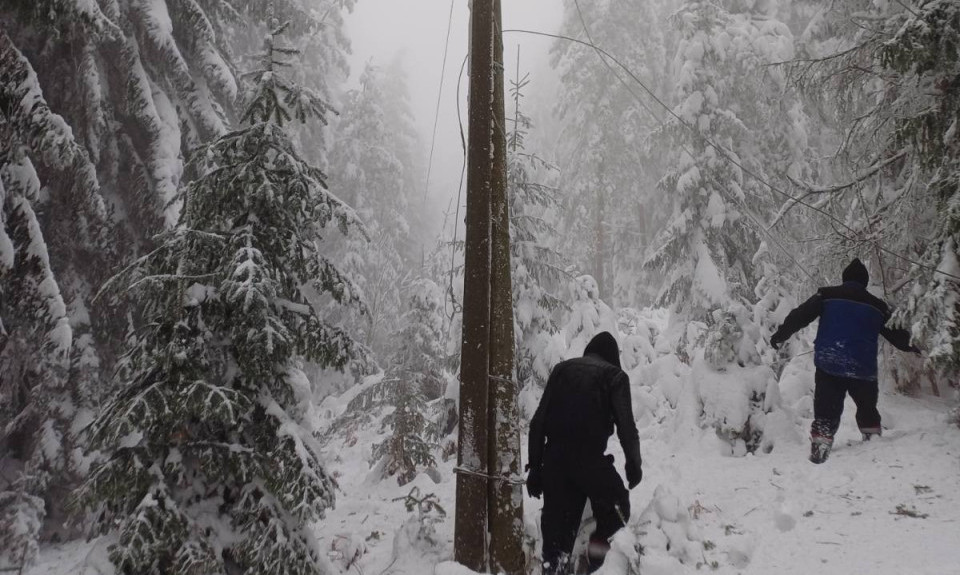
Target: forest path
[[887, 506], [890, 506]]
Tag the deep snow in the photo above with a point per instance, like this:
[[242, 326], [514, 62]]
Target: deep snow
[[886, 507]]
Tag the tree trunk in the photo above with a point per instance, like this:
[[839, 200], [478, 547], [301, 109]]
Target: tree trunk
[[505, 499], [600, 240], [470, 526]]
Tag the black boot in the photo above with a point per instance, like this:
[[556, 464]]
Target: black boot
[[596, 553], [820, 448]]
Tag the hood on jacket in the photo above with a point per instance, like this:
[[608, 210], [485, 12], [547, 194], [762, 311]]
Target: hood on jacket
[[604, 345], [856, 272]]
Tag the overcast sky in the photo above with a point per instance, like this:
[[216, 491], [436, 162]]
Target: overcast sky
[[380, 29]]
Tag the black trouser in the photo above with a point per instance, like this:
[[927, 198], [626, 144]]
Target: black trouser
[[568, 480], [828, 404]]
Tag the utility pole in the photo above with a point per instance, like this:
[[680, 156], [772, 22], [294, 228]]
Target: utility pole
[[505, 497], [489, 505], [470, 524]]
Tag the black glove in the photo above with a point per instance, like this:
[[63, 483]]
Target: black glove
[[634, 471], [534, 483], [776, 341]]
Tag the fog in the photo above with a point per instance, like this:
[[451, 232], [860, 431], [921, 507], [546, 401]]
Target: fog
[[417, 29]]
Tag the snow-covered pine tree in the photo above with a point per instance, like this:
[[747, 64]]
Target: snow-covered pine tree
[[418, 368], [407, 449], [891, 90], [53, 231], [588, 315], [318, 30], [102, 101], [420, 356], [705, 252], [607, 160], [377, 173], [705, 248], [537, 268], [35, 346], [211, 465]]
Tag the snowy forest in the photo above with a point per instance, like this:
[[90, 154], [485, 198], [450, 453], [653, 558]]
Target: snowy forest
[[230, 324]]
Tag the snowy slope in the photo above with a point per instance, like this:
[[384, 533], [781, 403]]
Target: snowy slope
[[887, 507], [773, 513], [778, 513]]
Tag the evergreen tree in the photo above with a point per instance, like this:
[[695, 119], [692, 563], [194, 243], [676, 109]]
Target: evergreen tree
[[212, 467], [588, 315], [608, 163], [704, 249], [377, 171], [419, 377], [100, 103], [735, 127], [49, 200], [537, 268], [421, 353], [37, 410], [890, 89]]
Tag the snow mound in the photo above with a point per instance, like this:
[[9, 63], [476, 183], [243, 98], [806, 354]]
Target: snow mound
[[668, 537]]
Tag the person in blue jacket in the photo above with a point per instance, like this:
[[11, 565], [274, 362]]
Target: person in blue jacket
[[845, 353]]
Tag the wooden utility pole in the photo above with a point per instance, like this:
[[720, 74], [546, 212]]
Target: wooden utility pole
[[470, 524], [505, 498], [489, 504]]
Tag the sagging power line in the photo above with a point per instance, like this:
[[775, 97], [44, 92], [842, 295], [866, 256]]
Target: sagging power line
[[721, 150]]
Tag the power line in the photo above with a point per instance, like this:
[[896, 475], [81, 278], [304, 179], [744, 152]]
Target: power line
[[599, 52], [436, 114], [760, 227], [463, 170], [722, 151]]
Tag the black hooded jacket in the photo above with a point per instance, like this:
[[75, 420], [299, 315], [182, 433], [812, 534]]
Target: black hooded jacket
[[584, 399]]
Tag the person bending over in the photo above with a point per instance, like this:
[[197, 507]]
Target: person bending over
[[584, 399]]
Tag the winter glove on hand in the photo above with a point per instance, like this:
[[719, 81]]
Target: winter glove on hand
[[776, 341], [534, 483], [634, 470]]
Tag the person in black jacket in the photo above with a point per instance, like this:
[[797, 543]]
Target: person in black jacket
[[584, 399], [845, 353]]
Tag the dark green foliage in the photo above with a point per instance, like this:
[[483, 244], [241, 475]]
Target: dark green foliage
[[898, 97], [46, 356], [425, 506], [209, 466], [408, 449], [276, 98], [537, 270]]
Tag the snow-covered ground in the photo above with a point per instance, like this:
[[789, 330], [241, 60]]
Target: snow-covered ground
[[886, 507]]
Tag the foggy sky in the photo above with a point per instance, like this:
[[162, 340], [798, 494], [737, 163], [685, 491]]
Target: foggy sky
[[380, 29]]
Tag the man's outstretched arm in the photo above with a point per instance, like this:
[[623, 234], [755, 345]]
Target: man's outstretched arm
[[799, 318], [900, 338]]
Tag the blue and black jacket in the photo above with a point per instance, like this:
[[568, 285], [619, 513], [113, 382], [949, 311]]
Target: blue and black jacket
[[851, 320]]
